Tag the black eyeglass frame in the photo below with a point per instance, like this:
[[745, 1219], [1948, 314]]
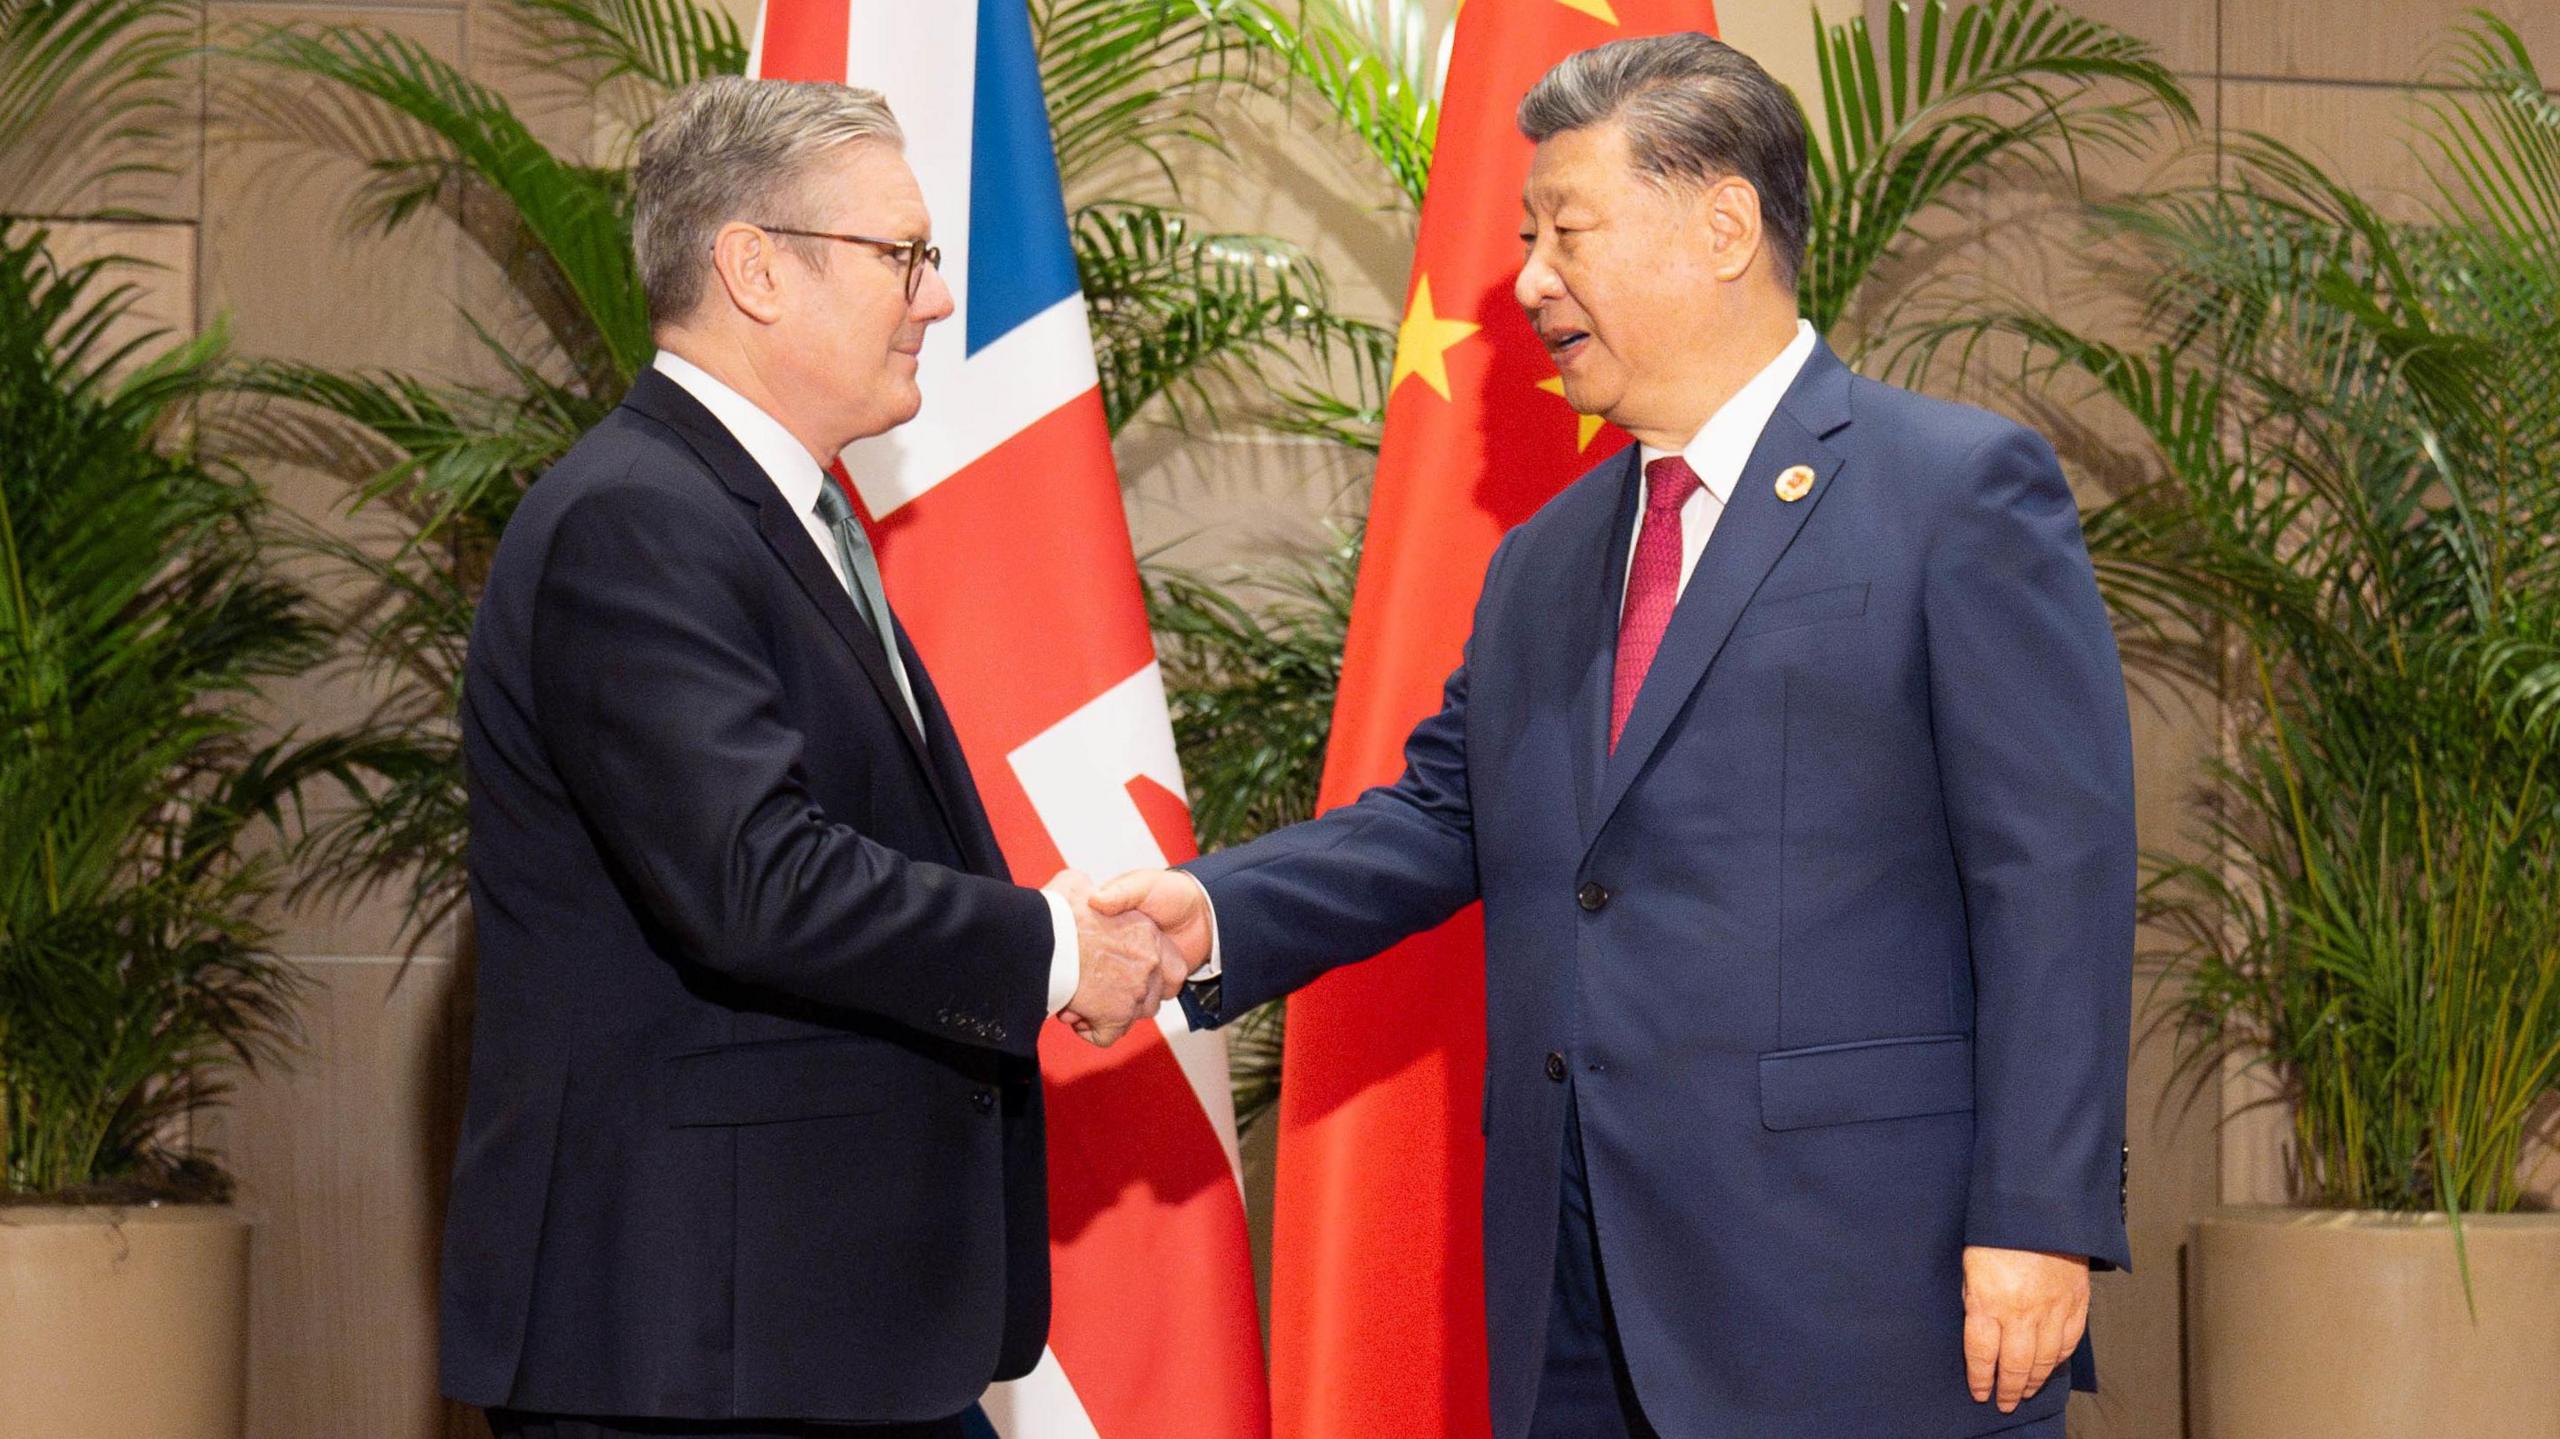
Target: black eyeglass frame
[[918, 253]]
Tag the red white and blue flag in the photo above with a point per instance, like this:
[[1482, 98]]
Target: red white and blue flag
[[1006, 554]]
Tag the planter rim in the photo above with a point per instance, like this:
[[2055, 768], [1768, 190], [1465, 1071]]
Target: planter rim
[[64, 1216], [2268, 1216]]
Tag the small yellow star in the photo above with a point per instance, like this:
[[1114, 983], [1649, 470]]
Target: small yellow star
[[1591, 424], [1423, 341]]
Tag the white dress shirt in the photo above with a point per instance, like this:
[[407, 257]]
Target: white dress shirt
[[1717, 454], [797, 474]]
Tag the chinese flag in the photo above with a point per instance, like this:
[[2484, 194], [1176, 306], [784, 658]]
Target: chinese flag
[[1377, 1287]]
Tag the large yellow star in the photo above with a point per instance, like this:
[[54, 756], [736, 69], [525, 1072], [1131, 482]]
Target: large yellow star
[[1423, 341], [1554, 385]]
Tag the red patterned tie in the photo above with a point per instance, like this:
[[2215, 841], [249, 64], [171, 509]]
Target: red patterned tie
[[1653, 584]]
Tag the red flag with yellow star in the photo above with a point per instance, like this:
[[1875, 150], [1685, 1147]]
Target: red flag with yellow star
[[1377, 1323]]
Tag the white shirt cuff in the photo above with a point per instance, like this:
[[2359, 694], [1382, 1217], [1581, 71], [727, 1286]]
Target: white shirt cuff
[[1065, 970]]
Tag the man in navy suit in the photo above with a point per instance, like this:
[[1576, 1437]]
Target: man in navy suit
[[754, 1141], [1789, 758]]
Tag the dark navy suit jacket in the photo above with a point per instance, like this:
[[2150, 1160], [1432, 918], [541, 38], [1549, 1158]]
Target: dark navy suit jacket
[[1835, 950], [754, 1127]]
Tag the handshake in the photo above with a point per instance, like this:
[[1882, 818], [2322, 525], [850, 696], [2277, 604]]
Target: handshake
[[1137, 939]]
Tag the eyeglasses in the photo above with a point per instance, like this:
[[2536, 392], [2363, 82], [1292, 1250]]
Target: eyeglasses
[[918, 253]]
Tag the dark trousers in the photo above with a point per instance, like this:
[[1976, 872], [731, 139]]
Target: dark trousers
[[1583, 1388], [509, 1424]]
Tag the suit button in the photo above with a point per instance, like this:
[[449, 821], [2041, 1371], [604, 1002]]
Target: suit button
[[985, 1099], [1592, 897], [1555, 1068]]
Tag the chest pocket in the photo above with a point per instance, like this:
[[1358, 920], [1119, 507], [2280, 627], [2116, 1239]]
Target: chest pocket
[[1805, 607]]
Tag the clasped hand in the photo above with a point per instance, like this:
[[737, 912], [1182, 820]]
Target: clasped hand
[[1128, 966]]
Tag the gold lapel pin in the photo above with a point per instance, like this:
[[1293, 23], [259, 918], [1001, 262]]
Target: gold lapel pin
[[1795, 483]]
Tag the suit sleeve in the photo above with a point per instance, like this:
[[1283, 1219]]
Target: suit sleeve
[[1349, 883], [658, 701], [2035, 763]]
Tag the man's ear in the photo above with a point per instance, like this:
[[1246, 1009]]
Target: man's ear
[[1731, 210], [743, 259]]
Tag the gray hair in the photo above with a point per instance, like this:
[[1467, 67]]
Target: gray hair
[[1696, 110], [736, 149]]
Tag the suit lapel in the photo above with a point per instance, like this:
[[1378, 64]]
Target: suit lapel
[[1753, 532], [1592, 610], [662, 399], [966, 810]]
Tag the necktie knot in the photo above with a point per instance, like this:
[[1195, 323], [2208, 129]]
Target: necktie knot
[[832, 506], [1669, 482]]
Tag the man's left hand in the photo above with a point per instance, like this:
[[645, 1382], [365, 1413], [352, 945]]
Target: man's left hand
[[2024, 1311]]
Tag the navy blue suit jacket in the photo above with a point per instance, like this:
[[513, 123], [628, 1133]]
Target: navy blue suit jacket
[[754, 1128], [1835, 949]]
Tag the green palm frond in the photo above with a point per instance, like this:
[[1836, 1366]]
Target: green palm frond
[[450, 454], [1255, 1044], [1378, 67], [1137, 79], [83, 92], [448, 462], [138, 617], [451, 462], [574, 215], [2496, 130], [1252, 685], [666, 44], [1943, 98], [1347, 406], [1176, 312]]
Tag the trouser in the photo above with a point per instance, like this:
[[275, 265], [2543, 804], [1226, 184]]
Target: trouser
[[1583, 1388]]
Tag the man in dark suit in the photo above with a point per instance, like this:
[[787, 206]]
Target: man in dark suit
[[754, 1131], [1789, 758]]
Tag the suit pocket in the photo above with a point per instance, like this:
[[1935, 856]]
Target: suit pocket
[[1873, 1079], [1809, 607], [773, 1081]]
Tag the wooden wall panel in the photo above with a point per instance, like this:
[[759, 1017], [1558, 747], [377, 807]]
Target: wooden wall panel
[[342, 1160], [2371, 42]]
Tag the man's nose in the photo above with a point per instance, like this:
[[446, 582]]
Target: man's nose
[[933, 298], [1536, 283]]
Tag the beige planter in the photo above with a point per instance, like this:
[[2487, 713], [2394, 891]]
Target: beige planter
[[2345, 1324], [124, 1323]]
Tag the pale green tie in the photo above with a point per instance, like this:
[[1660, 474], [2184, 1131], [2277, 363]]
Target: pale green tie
[[862, 581]]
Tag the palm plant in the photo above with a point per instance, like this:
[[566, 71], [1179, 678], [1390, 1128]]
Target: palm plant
[[2357, 433], [81, 93], [1914, 123], [137, 616], [1139, 92]]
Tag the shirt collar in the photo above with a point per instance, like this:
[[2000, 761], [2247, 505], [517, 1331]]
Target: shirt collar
[[782, 457], [1722, 446]]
